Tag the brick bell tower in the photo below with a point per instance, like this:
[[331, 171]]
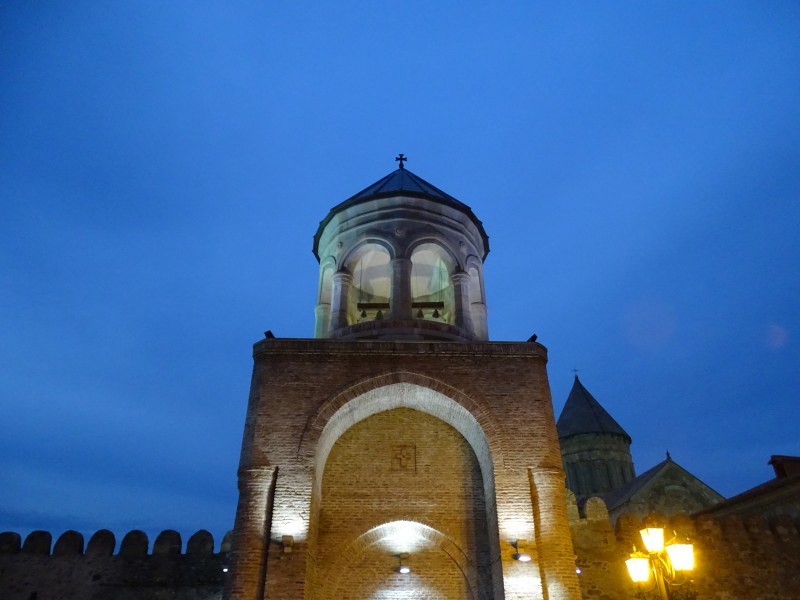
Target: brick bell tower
[[399, 454]]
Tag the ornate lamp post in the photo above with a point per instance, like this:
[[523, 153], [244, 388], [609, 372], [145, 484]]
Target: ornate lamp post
[[665, 562]]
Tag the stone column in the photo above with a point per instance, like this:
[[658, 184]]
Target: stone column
[[553, 538], [321, 316], [629, 471], [340, 291], [615, 474], [400, 307], [250, 536], [288, 574], [515, 522], [479, 320], [463, 311]]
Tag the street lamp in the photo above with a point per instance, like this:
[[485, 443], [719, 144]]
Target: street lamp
[[665, 562]]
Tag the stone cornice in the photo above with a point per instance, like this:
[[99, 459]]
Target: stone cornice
[[401, 347]]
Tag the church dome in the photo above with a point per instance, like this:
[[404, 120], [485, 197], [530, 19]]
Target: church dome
[[583, 414], [401, 259], [595, 449]]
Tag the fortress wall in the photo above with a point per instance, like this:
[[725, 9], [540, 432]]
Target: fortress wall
[[37, 569], [754, 558], [750, 558]]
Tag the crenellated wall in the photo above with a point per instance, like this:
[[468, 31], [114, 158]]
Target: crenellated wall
[[735, 558], [37, 569]]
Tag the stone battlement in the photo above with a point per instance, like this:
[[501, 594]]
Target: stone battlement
[[752, 557], [103, 543], [37, 568]]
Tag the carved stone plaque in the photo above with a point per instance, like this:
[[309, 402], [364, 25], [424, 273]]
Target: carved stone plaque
[[404, 458]]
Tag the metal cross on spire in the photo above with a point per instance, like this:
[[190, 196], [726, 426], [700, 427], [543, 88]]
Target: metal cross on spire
[[402, 158]]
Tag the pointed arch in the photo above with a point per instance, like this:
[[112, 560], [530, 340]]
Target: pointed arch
[[376, 394], [404, 536]]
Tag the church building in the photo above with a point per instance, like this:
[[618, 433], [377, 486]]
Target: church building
[[596, 452], [400, 453]]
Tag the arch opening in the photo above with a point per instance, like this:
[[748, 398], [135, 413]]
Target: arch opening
[[477, 298], [403, 452], [431, 288], [371, 288]]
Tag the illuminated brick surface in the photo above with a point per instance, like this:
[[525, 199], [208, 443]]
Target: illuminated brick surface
[[456, 440]]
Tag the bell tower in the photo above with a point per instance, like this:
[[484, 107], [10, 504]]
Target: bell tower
[[399, 453], [401, 259]]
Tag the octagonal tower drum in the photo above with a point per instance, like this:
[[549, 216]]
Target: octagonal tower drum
[[401, 260]]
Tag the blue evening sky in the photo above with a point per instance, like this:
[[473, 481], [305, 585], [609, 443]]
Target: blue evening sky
[[164, 165]]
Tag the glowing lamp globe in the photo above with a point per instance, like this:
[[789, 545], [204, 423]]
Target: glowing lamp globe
[[638, 567], [521, 554], [653, 538], [681, 556], [522, 557]]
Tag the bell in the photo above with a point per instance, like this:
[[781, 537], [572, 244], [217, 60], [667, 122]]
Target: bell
[[420, 314], [435, 313], [379, 315], [363, 313]]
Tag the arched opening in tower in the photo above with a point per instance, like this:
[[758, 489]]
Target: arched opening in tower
[[402, 487], [431, 288], [371, 288]]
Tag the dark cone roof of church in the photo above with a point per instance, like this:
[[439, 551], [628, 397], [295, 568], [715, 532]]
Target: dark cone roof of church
[[583, 414], [402, 182]]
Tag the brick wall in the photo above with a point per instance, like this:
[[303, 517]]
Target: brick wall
[[755, 559], [403, 465], [492, 398]]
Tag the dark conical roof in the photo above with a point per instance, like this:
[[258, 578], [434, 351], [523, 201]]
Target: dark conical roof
[[583, 414], [402, 182]]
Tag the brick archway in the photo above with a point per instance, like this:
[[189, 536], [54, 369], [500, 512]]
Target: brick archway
[[421, 536], [443, 401], [417, 392]]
